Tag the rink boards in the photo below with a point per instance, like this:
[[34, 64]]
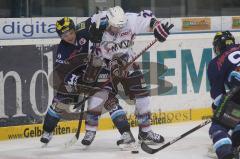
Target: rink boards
[[174, 70]]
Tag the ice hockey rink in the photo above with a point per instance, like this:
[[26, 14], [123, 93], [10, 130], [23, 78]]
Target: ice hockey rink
[[193, 146]]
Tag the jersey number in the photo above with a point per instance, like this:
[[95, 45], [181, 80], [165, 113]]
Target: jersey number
[[234, 57], [145, 13]]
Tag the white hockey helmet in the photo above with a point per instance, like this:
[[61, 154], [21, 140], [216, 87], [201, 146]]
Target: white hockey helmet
[[116, 17]]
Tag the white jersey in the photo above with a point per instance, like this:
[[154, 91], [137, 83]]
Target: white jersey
[[122, 42]]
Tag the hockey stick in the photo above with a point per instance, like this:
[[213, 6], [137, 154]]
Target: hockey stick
[[82, 103], [125, 68], [76, 136], [149, 150]]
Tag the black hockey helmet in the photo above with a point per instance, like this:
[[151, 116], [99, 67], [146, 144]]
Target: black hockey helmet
[[63, 25], [222, 40]]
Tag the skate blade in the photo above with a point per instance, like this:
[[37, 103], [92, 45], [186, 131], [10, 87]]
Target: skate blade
[[85, 147], [44, 145]]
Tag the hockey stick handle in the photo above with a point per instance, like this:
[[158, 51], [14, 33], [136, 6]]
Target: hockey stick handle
[[80, 119], [149, 150], [140, 54], [125, 68]]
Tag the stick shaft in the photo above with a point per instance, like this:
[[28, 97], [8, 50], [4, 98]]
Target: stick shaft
[[125, 68], [147, 149]]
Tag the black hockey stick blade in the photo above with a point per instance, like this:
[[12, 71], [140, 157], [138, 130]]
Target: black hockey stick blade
[[150, 150]]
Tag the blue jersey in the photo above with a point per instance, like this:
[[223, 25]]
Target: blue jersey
[[72, 60], [70, 56], [222, 70], [67, 51]]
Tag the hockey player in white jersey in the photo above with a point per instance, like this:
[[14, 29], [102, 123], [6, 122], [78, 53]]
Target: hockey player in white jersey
[[115, 31]]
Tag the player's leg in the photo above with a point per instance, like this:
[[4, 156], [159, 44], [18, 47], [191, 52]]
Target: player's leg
[[222, 143], [118, 115], [60, 104], [119, 118], [235, 137], [50, 122], [144, 116], [94, 110], [136, 88]]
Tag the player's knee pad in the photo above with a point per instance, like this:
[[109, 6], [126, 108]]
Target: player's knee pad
[[222, 143], [119, 119], [144, 121], [216, 127], [236, 136], [142, 105], [96, 102], [51, 120], [91, 120], [54, 114]]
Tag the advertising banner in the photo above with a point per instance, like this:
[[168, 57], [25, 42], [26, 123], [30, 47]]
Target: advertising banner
[[236, 22], [24, 83], [44, 27], [193, 24], [175, 72]]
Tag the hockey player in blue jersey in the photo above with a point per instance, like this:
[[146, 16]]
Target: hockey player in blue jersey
[[224, 71], [77, 73]]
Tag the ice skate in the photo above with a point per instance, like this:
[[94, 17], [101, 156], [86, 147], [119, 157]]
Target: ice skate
[[46, 137], [88, 138], [128, 143], [150, 138]]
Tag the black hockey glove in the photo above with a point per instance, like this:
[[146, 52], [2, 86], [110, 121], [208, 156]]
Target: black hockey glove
[[161, 31], [95, 34], [117, 64]]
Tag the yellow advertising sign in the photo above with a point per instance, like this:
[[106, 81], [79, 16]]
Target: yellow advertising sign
[[235, 22], [190, 24], [35, 130]]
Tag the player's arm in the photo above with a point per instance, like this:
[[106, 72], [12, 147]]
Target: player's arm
[[145, 21], [97, 26], [217, 89], [83, 25]]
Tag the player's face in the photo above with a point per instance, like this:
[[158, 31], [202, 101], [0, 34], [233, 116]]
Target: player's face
[[217, 50], [114, 30], [69, 37]]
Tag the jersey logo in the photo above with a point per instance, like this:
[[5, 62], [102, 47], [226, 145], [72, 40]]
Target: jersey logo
[[111, 46], [59, 56], [125, 33], [82, 41]]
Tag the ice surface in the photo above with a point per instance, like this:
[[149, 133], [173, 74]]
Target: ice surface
[[194, 146]]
